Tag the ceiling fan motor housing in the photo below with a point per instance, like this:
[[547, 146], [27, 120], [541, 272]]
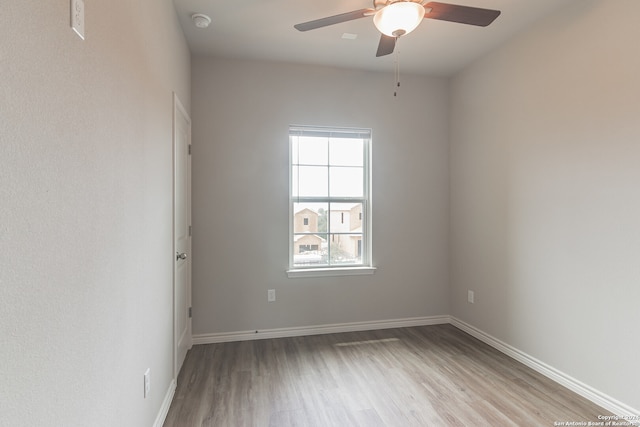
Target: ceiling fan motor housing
[[379, 4]]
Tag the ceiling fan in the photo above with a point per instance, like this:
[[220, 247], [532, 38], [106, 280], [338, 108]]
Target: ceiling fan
[[395, 18]]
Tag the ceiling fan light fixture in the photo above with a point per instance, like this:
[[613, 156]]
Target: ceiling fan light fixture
[[399, 18]]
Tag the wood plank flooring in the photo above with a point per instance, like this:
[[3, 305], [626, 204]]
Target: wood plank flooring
[[420, 376]]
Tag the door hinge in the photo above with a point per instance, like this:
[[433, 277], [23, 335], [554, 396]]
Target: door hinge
[[189, 149], [190, 312], [190, 231]]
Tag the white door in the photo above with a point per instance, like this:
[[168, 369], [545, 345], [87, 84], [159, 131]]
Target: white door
[[182, 234]]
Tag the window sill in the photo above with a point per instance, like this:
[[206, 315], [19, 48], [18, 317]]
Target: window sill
[[329, 272]]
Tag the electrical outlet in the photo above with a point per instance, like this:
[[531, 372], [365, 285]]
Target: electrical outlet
[[147, 382], [77, 17], [271, 295], [471, 297]]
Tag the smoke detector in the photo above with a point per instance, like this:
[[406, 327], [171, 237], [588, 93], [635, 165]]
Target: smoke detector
[[200, 20]]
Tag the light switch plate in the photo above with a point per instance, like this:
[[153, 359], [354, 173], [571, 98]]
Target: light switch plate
[[77, 17]]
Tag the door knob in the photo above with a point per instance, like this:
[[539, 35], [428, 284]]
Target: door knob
[[181, 255]]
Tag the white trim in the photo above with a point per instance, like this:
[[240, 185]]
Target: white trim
[[584, 390], [166, 404], [366, 134], [329, 272], [318, 330]]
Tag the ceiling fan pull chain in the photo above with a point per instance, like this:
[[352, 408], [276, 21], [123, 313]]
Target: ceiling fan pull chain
[[397, 70]]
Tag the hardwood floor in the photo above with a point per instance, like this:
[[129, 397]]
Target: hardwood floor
[[420, 376]]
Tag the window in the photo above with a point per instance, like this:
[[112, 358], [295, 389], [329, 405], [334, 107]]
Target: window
[[330, 226]]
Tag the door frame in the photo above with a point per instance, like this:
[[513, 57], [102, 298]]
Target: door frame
[[179, 110]]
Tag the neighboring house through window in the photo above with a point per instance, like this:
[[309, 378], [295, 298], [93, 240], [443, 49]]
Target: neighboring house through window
[[329, 198]]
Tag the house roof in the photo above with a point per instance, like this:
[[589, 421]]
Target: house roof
[[302, 208], [297, 237]]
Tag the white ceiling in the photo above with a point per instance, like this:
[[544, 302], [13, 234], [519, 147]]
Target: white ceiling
[[263, 29]]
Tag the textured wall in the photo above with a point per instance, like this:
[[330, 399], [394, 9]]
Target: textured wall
[[545, 200], [86, 210], [241, 114]]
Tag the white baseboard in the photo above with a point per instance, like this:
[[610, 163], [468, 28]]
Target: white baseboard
[[318, 330], [166, 404], [584, 390]]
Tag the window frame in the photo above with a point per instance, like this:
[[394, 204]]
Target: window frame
[[366, 264]]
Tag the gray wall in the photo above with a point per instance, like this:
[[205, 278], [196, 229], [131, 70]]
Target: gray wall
[[241, 114], [544, 193], [86, 210]]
